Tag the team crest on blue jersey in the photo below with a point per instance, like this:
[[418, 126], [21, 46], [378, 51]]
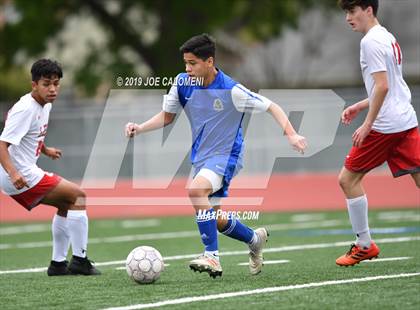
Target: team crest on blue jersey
[[218, 105]]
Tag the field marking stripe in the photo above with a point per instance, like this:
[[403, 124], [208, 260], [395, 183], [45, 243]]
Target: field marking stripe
[[269, 262], [31, 228], [261, 291], [37, 269], [24, 229], [232, 253], [386, 259], [167, 235]]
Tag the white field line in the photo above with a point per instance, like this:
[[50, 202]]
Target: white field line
[[414, 218], [233, 253], [265, 290], [140, 223], [24, 229], [31, 228], [306, 217], [393, 216], [269, 262], [166, 235], [123, 268], [387, 259]]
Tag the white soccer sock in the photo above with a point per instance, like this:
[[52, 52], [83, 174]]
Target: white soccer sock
[[77, 222], [358, 213], [61, 238]]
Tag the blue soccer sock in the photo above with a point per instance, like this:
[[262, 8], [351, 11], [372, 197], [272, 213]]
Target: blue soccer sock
[[207, 225], [236, 230]]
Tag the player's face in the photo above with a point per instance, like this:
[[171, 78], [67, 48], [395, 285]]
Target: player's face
[[358, 18], [197, 67], [46, 89]]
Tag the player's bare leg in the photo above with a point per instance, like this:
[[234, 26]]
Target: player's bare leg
[[199, 191], [416, 178], [364, 247], [351, 183], [70, 201], [221, 221]]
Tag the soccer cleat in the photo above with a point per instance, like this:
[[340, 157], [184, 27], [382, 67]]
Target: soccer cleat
[[206, 263], [256, 260], [83, 266], [58, 269], [356, 254]]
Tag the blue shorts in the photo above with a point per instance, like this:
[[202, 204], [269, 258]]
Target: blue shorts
[[227, 167]]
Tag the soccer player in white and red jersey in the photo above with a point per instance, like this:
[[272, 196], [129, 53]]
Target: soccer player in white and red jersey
[[21, 143], [390, 130]]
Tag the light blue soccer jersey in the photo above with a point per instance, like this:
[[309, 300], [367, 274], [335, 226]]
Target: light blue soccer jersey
[[215, 114]]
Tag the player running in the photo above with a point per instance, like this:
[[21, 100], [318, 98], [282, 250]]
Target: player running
[[389, 132], [21, 143], [215, 111]]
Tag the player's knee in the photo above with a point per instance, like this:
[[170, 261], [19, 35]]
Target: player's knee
[[343, 181], [80, 200], [197, 192], [198, 197], [76, 199]]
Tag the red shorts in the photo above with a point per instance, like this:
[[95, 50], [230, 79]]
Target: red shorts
[[401, 150], [33, 196]]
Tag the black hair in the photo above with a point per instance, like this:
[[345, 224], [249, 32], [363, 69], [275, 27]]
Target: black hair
[[348, 5], [46, 68], [202, 46]]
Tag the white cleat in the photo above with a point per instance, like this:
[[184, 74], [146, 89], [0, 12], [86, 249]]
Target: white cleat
[[207, 263], [256, 260]]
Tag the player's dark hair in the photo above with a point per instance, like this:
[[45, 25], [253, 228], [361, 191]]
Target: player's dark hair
[[202, 46], [46, 68], [348, 5]]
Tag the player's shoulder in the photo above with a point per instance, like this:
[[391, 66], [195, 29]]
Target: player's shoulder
[[226, 81], [376, 37], [239, 89], [25, 104], [48, 106]]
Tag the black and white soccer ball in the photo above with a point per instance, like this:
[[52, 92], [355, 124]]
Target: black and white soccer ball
[[144, 264]]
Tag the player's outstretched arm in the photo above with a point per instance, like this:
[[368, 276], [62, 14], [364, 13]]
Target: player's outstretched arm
[[250, 102], [51, 152], [160, 120], [17, 179], [297, 141]]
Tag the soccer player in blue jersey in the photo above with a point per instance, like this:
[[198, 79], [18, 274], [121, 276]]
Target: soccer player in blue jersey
[[215, 109]]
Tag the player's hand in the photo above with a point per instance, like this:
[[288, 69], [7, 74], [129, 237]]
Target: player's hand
[[298, 143], [349, 114], [18, 181], [53, 153], [131, 130], [360, 134]]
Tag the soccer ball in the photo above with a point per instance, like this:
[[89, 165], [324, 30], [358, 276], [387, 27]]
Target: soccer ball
[[144, 264]]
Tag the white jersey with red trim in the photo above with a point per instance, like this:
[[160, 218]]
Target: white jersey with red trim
[[25, 129], [379, 52]]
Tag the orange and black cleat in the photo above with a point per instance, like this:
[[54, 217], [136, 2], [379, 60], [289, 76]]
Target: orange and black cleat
[[356, 254]]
